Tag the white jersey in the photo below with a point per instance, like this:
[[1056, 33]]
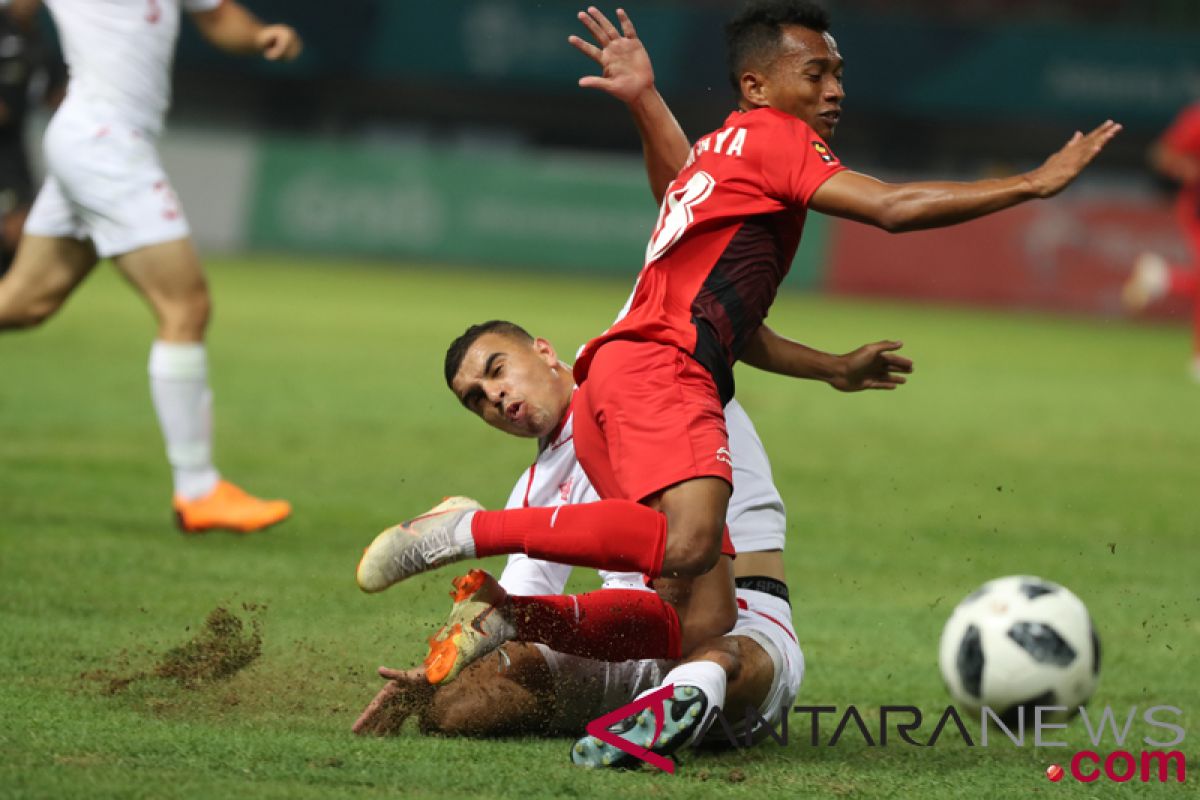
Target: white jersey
[[554, 479], [120, 53], [756, 515]]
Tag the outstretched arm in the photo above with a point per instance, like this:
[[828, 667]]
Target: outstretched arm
[[233, 29], [932, 204], [628, 76], [872, 366]]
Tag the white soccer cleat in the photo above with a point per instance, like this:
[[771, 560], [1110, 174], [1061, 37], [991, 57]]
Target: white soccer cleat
[[417, 545], [477, 625], [1148, 283]]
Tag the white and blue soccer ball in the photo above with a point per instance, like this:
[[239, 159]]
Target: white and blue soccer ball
[[1020, 642]]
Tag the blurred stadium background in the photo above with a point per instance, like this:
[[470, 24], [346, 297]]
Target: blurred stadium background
[[454, 132]]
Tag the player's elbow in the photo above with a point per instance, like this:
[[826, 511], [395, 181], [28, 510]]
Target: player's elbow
[[895, 218], [899, 209]]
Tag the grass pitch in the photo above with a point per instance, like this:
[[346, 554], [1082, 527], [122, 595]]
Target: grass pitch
[[1056, 447]]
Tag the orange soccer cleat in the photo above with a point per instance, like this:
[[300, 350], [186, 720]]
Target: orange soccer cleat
[[478, 624], [229, 508]]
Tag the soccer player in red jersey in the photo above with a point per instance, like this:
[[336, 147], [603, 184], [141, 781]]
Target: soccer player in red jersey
[[649, 429], [1176, 155]]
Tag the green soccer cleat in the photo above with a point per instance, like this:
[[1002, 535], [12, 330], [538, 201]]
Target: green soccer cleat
[[683, 715]]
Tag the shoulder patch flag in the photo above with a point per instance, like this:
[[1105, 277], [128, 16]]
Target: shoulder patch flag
[[823, 152]]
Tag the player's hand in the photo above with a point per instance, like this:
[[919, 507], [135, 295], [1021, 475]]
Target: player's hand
[[406, 692], [1063, 167], [627, 73], [278, 43], [873, 366]]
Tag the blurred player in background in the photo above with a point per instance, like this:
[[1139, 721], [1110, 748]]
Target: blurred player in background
[[535, 689], [28, 74], [649, 426], [106, 196], [1176, 156]]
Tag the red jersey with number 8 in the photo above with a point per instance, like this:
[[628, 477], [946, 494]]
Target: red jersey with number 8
[[727, 232]]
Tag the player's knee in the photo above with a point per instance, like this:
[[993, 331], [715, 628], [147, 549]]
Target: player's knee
[[691, 556], [451, 713], [185, 319], [725, 656], [15, 314]]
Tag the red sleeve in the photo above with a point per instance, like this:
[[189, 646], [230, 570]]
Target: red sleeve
[[1184, 134], [799, 163]]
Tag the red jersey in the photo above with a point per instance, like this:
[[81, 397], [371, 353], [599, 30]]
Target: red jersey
[[727, 232], [1184, 137]]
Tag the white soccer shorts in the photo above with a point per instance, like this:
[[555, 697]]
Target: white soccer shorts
[[768, 621], [104, 181], [586, 689]]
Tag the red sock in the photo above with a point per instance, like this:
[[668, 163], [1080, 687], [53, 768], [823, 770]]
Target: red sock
[[608, 625], [618, 535]]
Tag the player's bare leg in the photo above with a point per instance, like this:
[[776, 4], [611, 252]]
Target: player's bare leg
[[695, 511], [509, 692], [44, 272], [748, 669], [11, 225], [696, 580], [170, 278], [707, 606]]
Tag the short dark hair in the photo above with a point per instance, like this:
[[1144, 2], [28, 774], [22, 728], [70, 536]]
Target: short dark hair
[[754, 34], [459, 347]]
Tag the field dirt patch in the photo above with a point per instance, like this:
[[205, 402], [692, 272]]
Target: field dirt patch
[[223, 646]]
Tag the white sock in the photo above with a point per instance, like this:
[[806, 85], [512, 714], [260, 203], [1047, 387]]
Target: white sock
[[707, 677], [183, 401], [463, 540]]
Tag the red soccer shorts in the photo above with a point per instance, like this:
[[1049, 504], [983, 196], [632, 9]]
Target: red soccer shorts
[[648, 417]]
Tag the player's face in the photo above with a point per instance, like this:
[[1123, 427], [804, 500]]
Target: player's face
[[516, 386], [805, 79]]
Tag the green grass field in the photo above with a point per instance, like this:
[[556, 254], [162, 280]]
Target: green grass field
[[1023, 444]]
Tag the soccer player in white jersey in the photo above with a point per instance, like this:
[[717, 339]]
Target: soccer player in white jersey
[[533, 689], [106, 196]]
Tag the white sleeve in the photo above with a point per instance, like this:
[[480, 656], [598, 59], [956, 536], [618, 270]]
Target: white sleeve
[[194, 6], [524, 575], [516, 498]]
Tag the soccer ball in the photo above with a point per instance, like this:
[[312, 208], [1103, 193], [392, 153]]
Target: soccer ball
[[1020, 642]]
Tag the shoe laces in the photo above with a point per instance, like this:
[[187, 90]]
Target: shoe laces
[[429, 551]]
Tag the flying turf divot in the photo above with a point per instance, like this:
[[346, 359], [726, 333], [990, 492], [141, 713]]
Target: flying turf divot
[[223, 647]]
